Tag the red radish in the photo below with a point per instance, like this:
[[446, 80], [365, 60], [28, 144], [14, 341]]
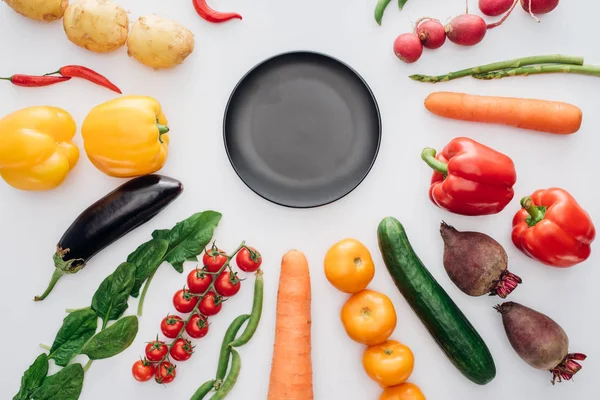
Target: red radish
[[539, 6], [408, 47], [431, 33], [539, 341], [466, 30], [494, 8]]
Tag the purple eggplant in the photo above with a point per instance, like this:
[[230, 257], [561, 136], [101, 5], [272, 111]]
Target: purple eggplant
[[119, 212]]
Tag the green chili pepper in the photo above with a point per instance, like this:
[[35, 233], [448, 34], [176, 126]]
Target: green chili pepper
[[401, 3], [226, 349], [255, 315], [380, 8], [234, 372], [203, 390]]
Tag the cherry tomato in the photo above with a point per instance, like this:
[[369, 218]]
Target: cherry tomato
[[171, 325], [349, 266], [165, 372], [197, 326], [369, 317], [181, 350], [214, 259], [156, 350], [406, 391], [227, 285], [183, 301], [248, 260], [389, 363], [142, 370], [198, 281], [210, 304]]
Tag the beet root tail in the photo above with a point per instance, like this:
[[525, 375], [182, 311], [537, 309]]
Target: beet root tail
[[569, 367], [505, 285]]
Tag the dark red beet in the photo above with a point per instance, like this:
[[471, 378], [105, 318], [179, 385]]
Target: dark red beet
[[466, 30], [476, 263], [431, 33], [539, 341], [539, 6], [408, 47], [494, 8]]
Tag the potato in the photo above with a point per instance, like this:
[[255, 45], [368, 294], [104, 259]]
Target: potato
[[158, 42], [96, 25], [41, 10]]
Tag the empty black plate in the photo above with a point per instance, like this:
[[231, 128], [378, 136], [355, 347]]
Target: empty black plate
[[302, 129]]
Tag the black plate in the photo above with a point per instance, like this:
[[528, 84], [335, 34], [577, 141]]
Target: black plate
[[302, 129]]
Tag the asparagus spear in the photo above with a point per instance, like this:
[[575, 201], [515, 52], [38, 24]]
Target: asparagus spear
[[593, 70], [516, 63]]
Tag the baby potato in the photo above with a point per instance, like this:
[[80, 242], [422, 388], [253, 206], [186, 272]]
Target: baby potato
[[96, 25], [158, 42], [41, 10]]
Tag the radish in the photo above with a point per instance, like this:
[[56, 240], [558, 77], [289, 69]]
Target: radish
[[539, 6], [494, 8], [408, 47], [466, 30], [431, 33], [539, 341], [476, 263]]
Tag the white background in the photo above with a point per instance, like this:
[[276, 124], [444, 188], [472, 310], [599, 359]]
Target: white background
[[194, 96]]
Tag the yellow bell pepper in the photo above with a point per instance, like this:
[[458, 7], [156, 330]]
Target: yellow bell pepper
[[36, 152], [126, 136]]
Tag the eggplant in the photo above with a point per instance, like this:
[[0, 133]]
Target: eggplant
[[119, 212]]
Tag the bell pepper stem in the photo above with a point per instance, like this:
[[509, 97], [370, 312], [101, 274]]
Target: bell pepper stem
[[536, 213], [58, 273], [162, 129], [428, 155]]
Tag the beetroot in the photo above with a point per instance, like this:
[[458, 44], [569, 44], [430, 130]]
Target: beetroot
[[431, 33], [476, 263], [408, 47], [539, 341], [494, 8], [539, 6], [466, 30]]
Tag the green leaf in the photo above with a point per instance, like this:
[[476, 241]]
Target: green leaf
[[112, 340], [192, 259], [401, 3], [110, 300], [147, 258], [33, 377], [66, 384], [189, 237], [77, 328]]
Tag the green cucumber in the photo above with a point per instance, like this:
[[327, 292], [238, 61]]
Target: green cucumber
[[441, 316]]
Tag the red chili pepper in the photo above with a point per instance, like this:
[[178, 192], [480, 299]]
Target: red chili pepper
[[34, 81], [211, 15], [551, 227], [470, 178], [77, 71]]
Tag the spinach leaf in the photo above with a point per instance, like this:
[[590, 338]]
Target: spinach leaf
[[110, 300], [112, 340], [188, 237], [66, 384], [147, 258], [33, 377], [77, 328]]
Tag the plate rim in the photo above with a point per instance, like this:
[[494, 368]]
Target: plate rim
[[313, 53]]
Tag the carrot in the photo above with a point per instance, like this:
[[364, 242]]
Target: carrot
[[538, 115], [291, 367]]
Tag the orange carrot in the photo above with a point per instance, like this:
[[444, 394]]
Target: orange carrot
[[291, 368], [538, 115]]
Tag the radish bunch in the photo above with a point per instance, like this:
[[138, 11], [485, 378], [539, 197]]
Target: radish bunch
[[463, 30]]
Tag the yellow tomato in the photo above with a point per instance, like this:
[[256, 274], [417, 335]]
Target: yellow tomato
[[349, 266], [369, 317], [389, 363], [406, 391]]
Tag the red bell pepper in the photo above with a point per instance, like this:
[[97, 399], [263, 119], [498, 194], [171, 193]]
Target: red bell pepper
[[470, 178], [552, 228]]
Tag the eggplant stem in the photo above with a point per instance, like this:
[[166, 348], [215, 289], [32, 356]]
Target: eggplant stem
[[58, 273]]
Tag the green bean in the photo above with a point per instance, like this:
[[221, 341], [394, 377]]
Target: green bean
[[226, 349], [203, 390], [379, 9], [254, 315], [234, 372]]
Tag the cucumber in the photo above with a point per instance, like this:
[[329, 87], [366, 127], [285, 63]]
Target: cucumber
[[441, 316]]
